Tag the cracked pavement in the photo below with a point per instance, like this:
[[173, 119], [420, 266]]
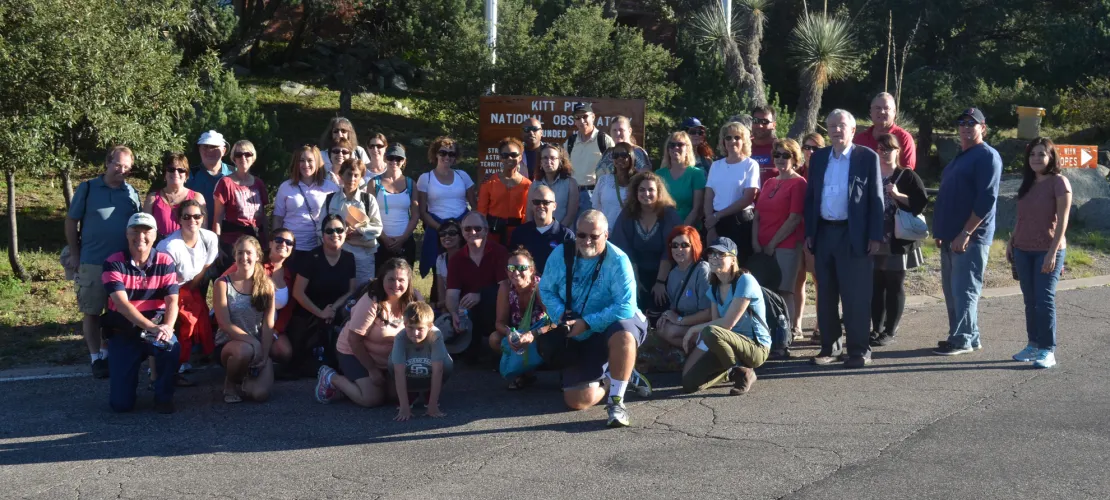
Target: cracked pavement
[[911, 425]]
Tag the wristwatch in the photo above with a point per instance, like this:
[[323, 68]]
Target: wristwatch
[[967, 232], [679, 321], [661, 282]]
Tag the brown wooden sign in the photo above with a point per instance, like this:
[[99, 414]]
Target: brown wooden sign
[[504, 116], [1068, 156]]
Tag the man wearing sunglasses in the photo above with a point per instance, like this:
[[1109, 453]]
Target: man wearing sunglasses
[[963, 225], [473, 277], [543, 233], [586, 146], [533, 141], [763, 142], [603, 326], [882, 116], [844, 228], [212, 148]]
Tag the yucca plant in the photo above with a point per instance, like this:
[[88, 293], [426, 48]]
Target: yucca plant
[[738, 44], [824, 50]]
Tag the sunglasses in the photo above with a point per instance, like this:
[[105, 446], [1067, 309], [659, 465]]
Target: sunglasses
[[334, 230], [176, 171], [542, 203], [244, 154], [447, 154], [283, 241], [395, 159], [676, 145], [191, 217], [717, 255], [449, 232], [696, 131], [589, 237], [376, 146], [809, 148], [678, 246], [621, 155], [966, 123], [338, 151], [510, 156], [532, 128], [761, 121], [782, 156], [884, 149], [518, 268], [733, 138], [473, 229]]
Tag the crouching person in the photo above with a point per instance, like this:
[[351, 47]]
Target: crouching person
[[142, 290], [420, 361], [245, 310], [605, 327]]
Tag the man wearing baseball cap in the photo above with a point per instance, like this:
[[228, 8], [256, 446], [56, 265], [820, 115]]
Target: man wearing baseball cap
[[212, 147], [963, 226], [142, 285], [586, 146]]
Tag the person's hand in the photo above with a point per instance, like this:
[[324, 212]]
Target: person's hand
[[959, 245], [74, 258], [689, 340], [661, 323], [711, 221], [260, 359], [434, 412], [1010, 252], [328, 313], [1049, 263], [756, 248], [809, 244], [350, 231], [455, 322], [937, 241], [403, 413], [469, 300], [873, 247], [577, 327], [163, 333], [397, 245], [525, 339], [769, 249], [660, 293]]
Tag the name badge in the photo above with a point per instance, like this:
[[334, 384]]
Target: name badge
[[832, 190]]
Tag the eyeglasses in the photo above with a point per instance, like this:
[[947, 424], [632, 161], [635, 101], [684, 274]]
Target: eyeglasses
[[809, 148], [395, 159], [733, 138], [338, 151], [510, 156], [376, 145], [443, 153], [761, 121], [966, 123], [884, 149], [192, 217], [473, 229], [783, 156], [542, 203], [176, 171], [244, 154], [621, 155], [532, 128], [696, 131], [449, 232], [717, 255], [589, 237], [334, 230], [676, 145], [680, 245], [283, 241], [518, 268]]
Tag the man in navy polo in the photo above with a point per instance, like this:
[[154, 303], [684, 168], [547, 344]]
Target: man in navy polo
[[212, 148], [542, 234]]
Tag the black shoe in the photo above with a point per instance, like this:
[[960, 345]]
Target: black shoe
[[100, 368], [945, 345], [882, 340], [951, 350], [858, 361], [779, 353], [163, 407]]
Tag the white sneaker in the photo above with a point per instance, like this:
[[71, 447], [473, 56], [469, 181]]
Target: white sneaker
[[1045, 359]]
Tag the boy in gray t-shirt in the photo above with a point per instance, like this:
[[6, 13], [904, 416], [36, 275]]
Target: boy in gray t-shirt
[[420, 360]]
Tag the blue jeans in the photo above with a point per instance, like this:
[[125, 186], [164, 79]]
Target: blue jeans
[[1039, 291], [961, 275], [126, 351]]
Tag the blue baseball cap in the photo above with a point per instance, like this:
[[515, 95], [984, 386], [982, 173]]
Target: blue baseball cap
[[692, 122]]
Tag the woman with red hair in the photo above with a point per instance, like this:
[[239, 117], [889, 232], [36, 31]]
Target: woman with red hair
[[687, 284]]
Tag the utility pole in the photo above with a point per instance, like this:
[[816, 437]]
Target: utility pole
[[726, 6], [491, 35]]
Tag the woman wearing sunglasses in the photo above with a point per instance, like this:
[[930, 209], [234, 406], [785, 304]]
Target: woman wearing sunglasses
[[687, 284], [340, 128], [777, 229], [557, 174], [684, 179], [238, 206], [641, 231], [277, 265], [612, 184], [443, 193], [450, 242], [339, 152], [700, 148], [162, 203], [398, 206], [519, 307], [621, 131], [193, 249], [810, 143], [502, 198], [731, 189]]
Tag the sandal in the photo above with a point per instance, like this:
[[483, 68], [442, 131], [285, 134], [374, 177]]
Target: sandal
[[232, 398], [183, 381]]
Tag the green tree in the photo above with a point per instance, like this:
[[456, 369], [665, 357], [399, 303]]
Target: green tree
[[708, 28], [823, 49]]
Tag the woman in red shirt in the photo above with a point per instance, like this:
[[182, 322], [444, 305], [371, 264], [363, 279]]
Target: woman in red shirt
[[502, 198], [777, 228]]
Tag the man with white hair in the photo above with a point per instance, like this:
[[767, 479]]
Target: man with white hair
[[844, 226], [601, 322], [212, 147], [883, 113]]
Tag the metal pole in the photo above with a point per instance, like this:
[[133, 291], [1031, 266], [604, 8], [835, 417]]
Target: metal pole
[[726, 6], [491, 34]]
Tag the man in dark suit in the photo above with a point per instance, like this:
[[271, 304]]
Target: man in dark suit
[[844, 226]]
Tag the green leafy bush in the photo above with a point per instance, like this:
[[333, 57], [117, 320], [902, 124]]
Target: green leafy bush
[[1087, 104]]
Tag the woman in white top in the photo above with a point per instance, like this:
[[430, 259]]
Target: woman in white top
[[398, 206], [364, 222], [621, 131], [193, 249], [731, 188], [299, 202], [341, 128], [443, 194], [612, 185], [376, 150]]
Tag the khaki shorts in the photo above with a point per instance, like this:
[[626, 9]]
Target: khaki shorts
[[92, 298], [789, 260]]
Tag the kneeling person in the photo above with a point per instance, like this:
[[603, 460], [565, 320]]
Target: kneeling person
[[142, 308], [601, 316], [245, 311], [420, 360]]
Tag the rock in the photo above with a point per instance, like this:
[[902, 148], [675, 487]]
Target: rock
[[1006, 211], [1087, 184], [398, 82], [418, 142], [1094, 215], [948, 146], [240, 71], [253, 89], [398, 105], [292, 88], [367, 95]]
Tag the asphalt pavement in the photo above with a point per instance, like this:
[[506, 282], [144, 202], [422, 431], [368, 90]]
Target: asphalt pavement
[[912, 425]]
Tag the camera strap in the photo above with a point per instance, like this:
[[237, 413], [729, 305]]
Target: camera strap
[[569, 255]]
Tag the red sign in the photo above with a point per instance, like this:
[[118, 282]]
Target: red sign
[[1068, 156], [504, 116]]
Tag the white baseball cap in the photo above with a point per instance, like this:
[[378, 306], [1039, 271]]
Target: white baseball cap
[[142, 219], [212, 138]]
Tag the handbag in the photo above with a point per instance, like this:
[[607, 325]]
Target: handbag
[[513, 363], [908, 226]]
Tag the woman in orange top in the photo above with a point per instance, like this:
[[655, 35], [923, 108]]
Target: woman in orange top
[[502, 197]]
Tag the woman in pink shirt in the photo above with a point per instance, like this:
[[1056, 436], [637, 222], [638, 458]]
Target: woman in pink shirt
[[777, 228], [366, 341]]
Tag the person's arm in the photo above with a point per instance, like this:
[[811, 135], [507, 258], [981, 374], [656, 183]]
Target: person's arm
[[1063, 208], [727, 320], [572, 203], [786, 229], [441, 292], [986, 186], [343, 298], [908, 152], [485, 198], [694, 215], [199, 198], [223, 316], [528, 203], [372, 228], [128, 311], [218, 215], [425, 215], [400, 380], [173, 306], [472, 196], [414, 217], [739, 205], [553, 284], [621, 284], [875, 207], [279, 206], [502, 325], [72, 242], [300, 284], [148, 202], [437, 389], [453, 296], [362, 319], [756, 247]]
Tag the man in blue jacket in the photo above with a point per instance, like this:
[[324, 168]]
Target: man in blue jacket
[[844, 227], [602, 317], [963, 225]]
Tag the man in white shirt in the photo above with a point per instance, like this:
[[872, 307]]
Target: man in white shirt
[[586, 146], [844, 227]]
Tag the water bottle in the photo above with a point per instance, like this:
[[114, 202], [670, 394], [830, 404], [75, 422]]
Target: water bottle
[[514, 339], [162, 345]]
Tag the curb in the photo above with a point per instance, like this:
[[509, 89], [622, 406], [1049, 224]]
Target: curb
[[80, 371]]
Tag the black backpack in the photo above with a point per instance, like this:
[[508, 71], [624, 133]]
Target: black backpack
[[602, 140], [778, 321]]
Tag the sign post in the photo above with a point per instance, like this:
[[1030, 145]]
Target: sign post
[[504, 116], [1069, 156]]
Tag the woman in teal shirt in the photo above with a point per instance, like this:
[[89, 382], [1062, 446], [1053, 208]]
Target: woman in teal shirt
[[685, 181], [737, 338]]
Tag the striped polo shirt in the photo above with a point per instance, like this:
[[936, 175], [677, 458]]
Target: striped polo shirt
[[146, 286]]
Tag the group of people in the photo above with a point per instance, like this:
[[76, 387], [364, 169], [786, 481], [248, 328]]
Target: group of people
[[573, 252]]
